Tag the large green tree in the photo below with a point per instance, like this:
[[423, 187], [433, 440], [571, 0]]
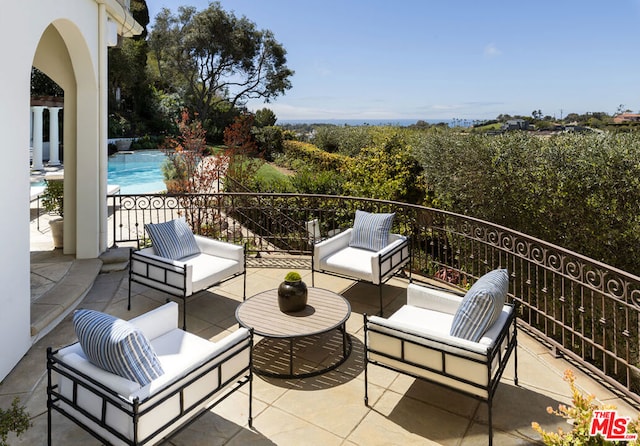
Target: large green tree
[[130, 95], [219, 61]]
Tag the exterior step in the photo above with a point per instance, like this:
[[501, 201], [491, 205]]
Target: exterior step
[[54, 305], [115, 259]]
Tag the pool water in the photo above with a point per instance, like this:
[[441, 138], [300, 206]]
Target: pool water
[[137, 172]]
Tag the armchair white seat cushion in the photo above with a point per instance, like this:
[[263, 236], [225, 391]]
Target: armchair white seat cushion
[[207, 270], [197, 374], [416, 340]]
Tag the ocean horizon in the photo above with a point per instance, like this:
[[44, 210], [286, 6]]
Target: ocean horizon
[[374, 122]]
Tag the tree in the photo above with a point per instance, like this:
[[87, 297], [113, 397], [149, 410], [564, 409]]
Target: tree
[[265, 118], [42, 85], [191, 174], [188, 168], [130, 95], [242, 152], [218, 59]]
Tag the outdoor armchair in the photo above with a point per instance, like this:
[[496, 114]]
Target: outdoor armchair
[[417, 340], [181, 263], [366, 252]]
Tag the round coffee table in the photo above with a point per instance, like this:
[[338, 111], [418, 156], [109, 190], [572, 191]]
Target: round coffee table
[[325, 311]]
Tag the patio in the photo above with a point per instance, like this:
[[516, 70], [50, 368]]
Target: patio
[[327, 409]]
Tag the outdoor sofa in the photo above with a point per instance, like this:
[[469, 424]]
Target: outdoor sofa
[[119, 409]]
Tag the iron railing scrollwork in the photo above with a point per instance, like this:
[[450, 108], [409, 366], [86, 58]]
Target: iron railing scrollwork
[[583, 309]]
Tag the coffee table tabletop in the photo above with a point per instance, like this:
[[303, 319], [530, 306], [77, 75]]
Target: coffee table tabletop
[[325, 311]]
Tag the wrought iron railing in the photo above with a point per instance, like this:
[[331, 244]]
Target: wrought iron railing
[[581, 308]]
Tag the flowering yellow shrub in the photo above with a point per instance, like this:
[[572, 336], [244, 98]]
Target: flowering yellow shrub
[[314, 155], [580, 413]]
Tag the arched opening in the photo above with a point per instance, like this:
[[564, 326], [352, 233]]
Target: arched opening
[[64, 58]]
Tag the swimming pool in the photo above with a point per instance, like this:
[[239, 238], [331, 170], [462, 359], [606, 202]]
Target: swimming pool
[[137, 172]]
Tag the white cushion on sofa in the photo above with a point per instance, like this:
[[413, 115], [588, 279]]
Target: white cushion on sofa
[[158, 321], [178, 351], [122, 386], [208, 270], [438, 322], [355, 262], [413, 319]]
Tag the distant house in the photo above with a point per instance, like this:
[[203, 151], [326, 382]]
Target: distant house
[[626, 117], [515, 124]]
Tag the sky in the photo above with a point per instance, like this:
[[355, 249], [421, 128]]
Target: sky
[[464, 59]]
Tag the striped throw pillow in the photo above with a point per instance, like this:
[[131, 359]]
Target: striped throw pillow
[[481, 306], [172, 239], [116, 346], [371, 231]]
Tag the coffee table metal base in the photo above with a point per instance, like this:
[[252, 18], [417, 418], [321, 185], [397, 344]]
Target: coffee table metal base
[[347, 346]]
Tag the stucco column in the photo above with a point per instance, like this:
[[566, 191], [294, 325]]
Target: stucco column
[[36, 163], [103, 123], [54, 137]]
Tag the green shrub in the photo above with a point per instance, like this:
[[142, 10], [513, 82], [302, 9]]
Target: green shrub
[[387, 171], [560, 189], [348, 141], [308, 181], [147, 142], [312, 155], [53, 197], [15, 419]]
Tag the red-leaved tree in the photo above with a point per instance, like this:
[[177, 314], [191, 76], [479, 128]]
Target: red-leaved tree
[[242, 152], [190, 171]]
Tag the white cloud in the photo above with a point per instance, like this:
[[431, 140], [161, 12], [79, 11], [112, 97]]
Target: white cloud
[[491, 50], [322, 68]]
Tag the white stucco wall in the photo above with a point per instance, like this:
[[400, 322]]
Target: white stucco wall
[[75, 57]]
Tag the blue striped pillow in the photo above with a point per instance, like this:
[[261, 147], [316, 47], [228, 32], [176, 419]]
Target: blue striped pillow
[[172, 239], [116, 346], [481, 306], [371, 231]]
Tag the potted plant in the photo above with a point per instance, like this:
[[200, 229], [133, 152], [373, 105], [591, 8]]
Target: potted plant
[[292, 293], [52, 201]]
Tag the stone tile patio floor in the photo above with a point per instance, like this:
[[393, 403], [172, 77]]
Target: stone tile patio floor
[[327, 409]]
